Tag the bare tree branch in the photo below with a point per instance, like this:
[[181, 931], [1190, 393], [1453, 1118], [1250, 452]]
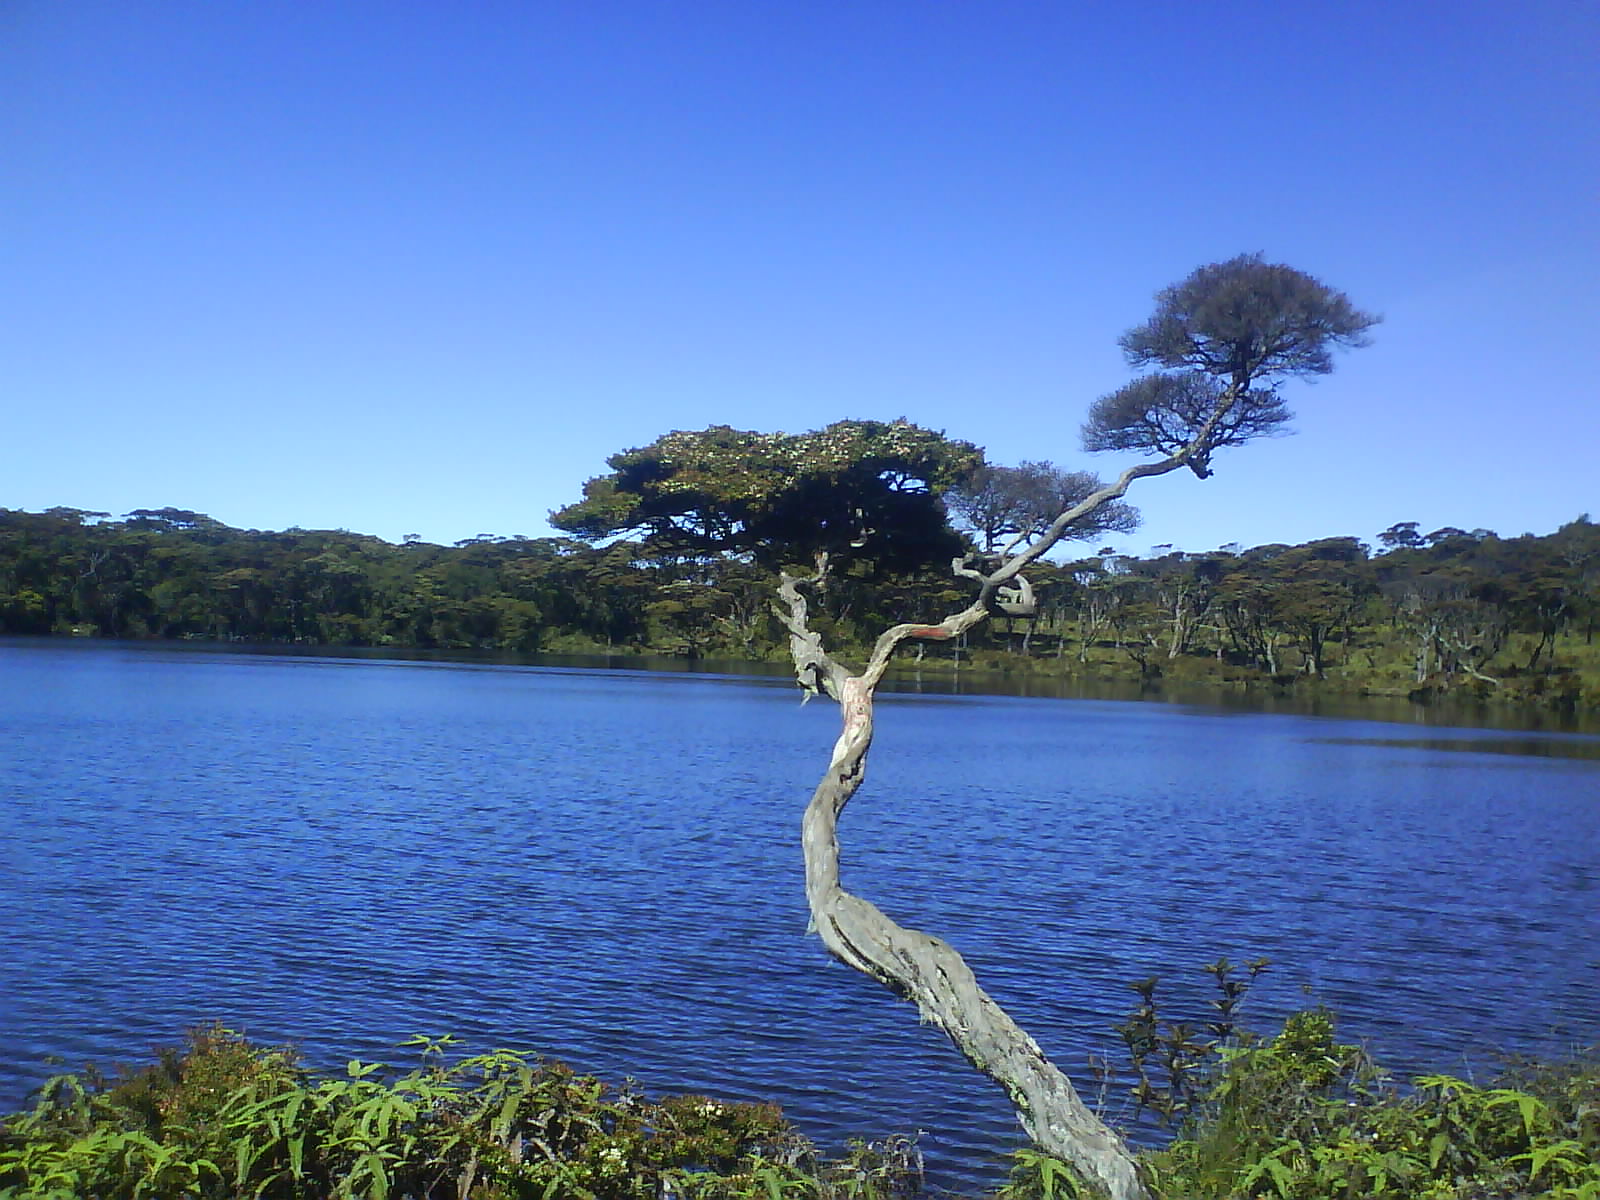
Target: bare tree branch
[[815, 669]]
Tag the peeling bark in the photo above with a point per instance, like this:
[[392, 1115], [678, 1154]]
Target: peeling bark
[[931, 973], [916, 965]]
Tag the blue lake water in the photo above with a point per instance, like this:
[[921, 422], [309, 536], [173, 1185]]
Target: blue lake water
[[604, 866]]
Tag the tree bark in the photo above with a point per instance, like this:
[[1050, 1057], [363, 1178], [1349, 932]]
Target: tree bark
[[931, 973], [916, 965]]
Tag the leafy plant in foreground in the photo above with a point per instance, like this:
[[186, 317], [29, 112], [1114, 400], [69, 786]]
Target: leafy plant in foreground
[[225, 1118], [1296, 1116], [1168, 1058], [1302, 1116]]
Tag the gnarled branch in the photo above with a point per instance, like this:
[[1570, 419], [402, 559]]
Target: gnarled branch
[[916, 965], [931, 973]]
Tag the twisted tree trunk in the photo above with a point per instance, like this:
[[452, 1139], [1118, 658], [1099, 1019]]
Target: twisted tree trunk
[[916, 965], [920, 967]]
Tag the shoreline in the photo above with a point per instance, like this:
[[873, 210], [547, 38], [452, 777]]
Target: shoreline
[[995, 674]]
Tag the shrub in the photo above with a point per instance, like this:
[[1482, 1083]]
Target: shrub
[[225, 1118]]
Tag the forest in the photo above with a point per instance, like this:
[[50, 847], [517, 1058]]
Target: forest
[[1421, 613]]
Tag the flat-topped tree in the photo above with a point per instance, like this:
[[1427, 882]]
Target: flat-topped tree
[[855, 490], [868, 488]]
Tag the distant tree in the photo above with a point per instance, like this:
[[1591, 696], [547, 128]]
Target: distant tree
[[1578, 546], [169, 518], [1246, 602], [1319, 588], [75, 516], [1454, 622], [1097, 597], [1401, 536], [1226, 336], [1000, 505], [1183, 586]]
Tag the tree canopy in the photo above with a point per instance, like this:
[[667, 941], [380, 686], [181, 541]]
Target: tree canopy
[[867, 490], [1226, 337], [999, 505]]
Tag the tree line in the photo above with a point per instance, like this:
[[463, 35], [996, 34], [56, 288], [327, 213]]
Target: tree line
[[1445, 609], [1448, 608]]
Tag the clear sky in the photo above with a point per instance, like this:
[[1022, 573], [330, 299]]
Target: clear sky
[[402, 267]]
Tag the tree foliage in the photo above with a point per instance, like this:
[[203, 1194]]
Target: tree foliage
[[864, 490], [1000, 505], [1224, 338], [1522, 610], [1164, 413]]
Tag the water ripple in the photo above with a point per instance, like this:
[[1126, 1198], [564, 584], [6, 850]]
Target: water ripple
[[604, 867]]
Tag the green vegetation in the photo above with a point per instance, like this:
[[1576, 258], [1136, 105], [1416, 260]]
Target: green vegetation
[[1449, 613], [224, 1118], [1504, 620], [861, 489], [1302, 1116], [1296, 1116]]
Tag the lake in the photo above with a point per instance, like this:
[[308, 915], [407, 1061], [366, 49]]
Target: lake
[[604, 866]]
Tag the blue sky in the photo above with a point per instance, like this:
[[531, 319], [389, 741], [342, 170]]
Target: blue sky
[[405, 267]]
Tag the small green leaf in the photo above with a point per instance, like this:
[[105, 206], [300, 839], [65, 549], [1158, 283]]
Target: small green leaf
[[1436, 1149]]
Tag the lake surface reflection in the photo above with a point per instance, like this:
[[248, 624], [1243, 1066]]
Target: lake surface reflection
[[604, 866]]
